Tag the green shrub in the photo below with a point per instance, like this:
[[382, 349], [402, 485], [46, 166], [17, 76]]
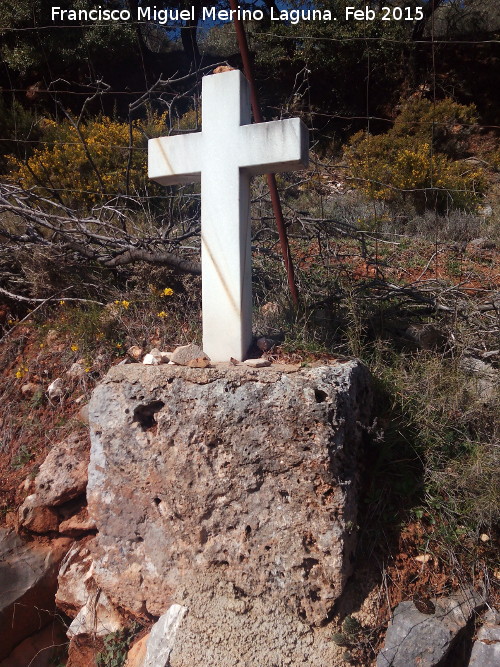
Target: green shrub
[[97, 161], [415, 159]]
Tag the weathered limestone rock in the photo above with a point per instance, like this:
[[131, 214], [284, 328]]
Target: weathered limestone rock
[[63, 474], [484, 379], [80, 597], [137, 653], [28, 578], [78, 524], [414, 638], [161, 640], [486, 649], [37, 518], [226, 474], [151, 360], [62, 478]]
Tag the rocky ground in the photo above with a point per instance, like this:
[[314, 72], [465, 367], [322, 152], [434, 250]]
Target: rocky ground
[[47, 380]]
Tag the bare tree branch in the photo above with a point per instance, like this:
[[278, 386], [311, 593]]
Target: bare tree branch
[[53, 224]]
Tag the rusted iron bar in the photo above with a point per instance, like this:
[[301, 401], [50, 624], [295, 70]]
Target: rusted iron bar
[[271, 179]]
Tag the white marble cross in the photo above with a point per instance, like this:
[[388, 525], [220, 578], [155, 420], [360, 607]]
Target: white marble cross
[[224, 155]]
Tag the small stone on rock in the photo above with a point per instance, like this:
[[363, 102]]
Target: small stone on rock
[[257, 363], [135, 352], [185, 353], [150, 360]]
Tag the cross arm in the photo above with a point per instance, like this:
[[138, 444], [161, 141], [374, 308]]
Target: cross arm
[[176, 159], [280, 145]]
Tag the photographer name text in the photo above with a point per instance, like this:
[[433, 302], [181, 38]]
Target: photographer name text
[[162, 16]]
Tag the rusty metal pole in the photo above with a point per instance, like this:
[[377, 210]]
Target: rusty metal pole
[[271, 180]]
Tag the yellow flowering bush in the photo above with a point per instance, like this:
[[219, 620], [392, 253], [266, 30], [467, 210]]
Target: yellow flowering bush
[[406, 162], [90, 164]]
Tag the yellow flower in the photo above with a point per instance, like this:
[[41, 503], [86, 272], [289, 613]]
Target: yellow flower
[[61, 303], [74, 347], [19, 374], [125, 304], [118, 345], [87, 370], [162, 314], [168, 291]]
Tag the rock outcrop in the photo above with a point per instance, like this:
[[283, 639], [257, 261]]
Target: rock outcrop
[[229, 489], [81, 599], [28, 581], [62, 478], [486, 649], [416, 638]]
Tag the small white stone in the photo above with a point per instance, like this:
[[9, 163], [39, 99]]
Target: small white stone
[[155, 352], [257, 363], [150, 360], [55, 389], [424, 558]]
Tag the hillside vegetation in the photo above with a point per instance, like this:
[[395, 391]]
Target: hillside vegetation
[[394, 232]]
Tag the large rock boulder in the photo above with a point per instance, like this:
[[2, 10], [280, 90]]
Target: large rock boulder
[[28, 581], [241, 477]]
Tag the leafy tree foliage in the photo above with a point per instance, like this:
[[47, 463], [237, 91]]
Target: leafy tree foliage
[[34, 44]]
